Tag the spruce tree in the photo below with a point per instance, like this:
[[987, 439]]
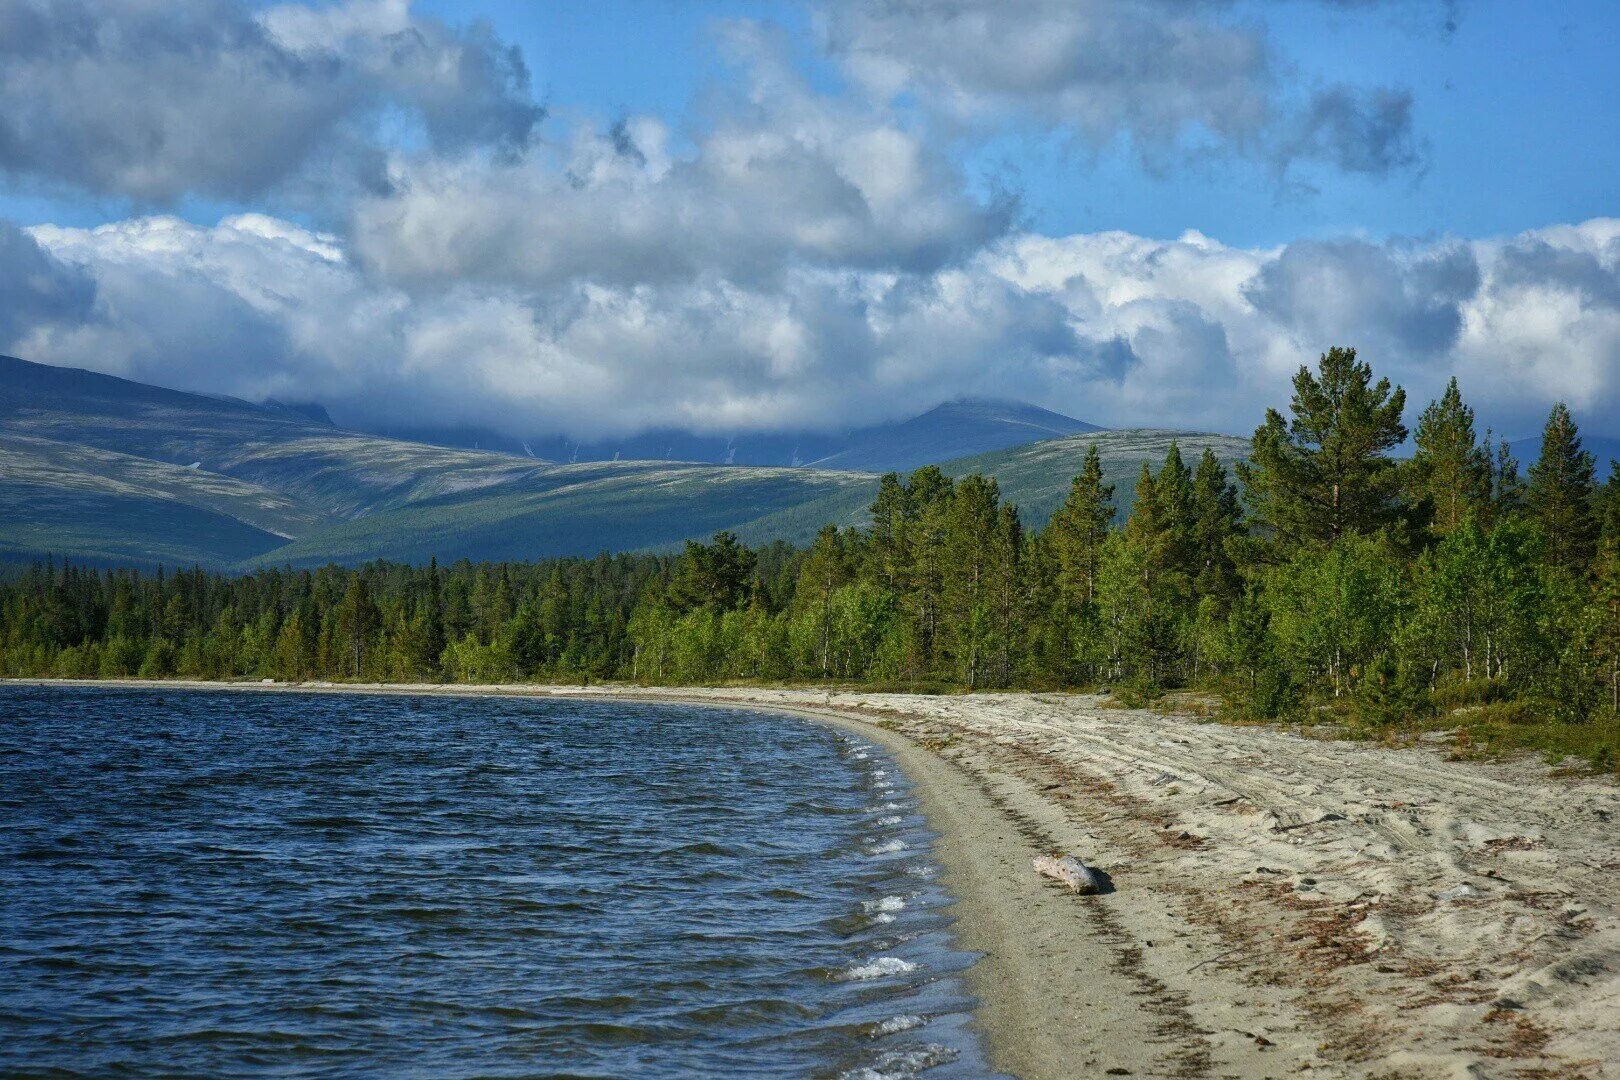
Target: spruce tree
[[1507, 486], [1561, 493], [1609, 527], [1326, 473], [1217, 523], [1450, 472], [1078, 528]]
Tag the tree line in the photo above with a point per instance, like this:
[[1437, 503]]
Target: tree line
[[1327, 576]]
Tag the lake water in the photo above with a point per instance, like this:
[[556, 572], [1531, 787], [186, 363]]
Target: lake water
[[216, 884]]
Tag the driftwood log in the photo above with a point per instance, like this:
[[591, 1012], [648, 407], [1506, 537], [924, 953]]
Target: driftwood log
[[1069, 871]]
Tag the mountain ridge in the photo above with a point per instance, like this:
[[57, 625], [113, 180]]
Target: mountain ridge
[[105, 469]]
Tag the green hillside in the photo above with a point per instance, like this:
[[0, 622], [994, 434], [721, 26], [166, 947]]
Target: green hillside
[[105, 470], [1035, 477], [572, 510], [335, 473], [95, 506]]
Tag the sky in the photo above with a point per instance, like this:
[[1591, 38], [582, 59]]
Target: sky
[[592, 218]]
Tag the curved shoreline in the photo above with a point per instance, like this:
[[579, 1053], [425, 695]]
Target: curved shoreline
[[1281, 904]]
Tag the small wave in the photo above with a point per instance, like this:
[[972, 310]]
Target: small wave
[[886, 847], [898, 1064], [894, 1025], [890, 819], [881, 967], [888, 903]]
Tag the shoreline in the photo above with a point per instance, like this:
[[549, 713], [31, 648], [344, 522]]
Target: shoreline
[[1278, 905]]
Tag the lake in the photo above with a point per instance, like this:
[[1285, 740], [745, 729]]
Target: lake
[[212, 884]]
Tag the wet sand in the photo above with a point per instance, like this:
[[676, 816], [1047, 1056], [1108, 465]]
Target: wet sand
[[1279, 905]]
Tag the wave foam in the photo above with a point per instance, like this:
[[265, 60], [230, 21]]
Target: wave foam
[[898, 1064], [880, 967], [894, 1025]]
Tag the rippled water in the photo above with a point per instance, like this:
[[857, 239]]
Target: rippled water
[[235, 883]]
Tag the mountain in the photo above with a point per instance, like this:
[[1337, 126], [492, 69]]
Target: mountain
[[105, 470], [1605, 451], [333, 472], [954, 429], [573, 510]]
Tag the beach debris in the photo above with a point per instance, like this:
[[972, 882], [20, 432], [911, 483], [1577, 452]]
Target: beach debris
[[1070, 871]]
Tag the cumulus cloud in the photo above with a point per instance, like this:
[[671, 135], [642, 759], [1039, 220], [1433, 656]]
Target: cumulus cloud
[[157, 101], [1397, 299], [785, 179], [1114, 328], [258, 307], [1522, 320], [1166, 74]]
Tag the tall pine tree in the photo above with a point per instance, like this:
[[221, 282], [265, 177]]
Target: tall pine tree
[[1217, 523], [1078, 528], [1325, 473], [1450, 473], [1561, 492]]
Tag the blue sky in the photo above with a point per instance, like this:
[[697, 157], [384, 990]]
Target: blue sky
[[604, 216]]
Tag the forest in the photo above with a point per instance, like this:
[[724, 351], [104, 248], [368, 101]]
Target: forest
[[1328, 581]]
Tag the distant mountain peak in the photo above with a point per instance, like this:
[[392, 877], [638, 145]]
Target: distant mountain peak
[[958, 428], [309, 410]]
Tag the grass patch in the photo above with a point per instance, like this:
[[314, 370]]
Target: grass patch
[[1522, 724]]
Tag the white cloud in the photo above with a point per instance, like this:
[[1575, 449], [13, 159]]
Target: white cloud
[[786, 179], [159, 101], [1111, 327], [1169, 75]]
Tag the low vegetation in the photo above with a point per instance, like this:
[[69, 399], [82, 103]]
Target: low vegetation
[[1327, 582]]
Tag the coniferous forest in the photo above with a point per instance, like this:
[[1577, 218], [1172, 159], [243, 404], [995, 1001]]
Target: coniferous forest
[[1328, 580]]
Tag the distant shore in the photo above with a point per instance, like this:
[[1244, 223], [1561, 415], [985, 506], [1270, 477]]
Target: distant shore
[[1279, 904]]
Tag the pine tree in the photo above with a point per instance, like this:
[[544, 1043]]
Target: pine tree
[[1609, 528], [1561, 492], [890, 512], [714, 575], [969, 574], [1507, 485], [1325, 473], [1078, 528], [1174, 490], [1450, 472], [1217, 523], [357, 621]]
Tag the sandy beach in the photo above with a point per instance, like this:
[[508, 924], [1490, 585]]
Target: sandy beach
[[1278, 905]]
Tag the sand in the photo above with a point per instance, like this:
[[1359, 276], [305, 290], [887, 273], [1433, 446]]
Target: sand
[[1279, 904]]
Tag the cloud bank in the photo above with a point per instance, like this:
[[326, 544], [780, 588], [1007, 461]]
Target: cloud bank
[[1112, 327]]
